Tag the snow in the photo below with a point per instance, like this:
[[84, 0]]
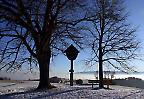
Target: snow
[[26, 90]]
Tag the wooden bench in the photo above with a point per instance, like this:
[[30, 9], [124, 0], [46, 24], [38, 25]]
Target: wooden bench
[[105, 82], [93, 81]]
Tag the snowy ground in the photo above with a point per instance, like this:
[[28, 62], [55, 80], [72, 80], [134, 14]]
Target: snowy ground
[[25, 90]]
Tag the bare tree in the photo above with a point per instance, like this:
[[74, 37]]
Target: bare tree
[[112, 40], [31, 31]]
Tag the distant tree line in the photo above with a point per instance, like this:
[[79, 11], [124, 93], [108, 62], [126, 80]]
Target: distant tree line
[[4, 78]]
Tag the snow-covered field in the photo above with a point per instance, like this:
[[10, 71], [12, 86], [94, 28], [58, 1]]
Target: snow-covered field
[[25, 90]]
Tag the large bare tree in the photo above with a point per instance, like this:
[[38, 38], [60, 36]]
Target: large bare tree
[[112, 40], [31, 31]]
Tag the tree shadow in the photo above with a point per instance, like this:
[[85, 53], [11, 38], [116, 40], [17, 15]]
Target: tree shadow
[[56, 93], [7, 96], [97, 88], [133, 93], [35, 91]]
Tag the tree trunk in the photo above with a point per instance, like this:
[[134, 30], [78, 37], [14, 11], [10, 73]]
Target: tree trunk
[[44, 62], [100, 73], [100, 64]]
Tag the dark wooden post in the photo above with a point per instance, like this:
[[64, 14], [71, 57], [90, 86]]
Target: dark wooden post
[[71, 53], [71, 73]]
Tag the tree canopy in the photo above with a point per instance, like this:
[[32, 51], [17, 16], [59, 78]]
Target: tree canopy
[[113, 41], [34, 30]]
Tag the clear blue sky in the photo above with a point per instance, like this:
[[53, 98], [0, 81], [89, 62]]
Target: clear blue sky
[[136, 12], [61, 65]]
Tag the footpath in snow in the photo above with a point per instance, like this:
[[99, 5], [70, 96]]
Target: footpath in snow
[[26, 91]]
